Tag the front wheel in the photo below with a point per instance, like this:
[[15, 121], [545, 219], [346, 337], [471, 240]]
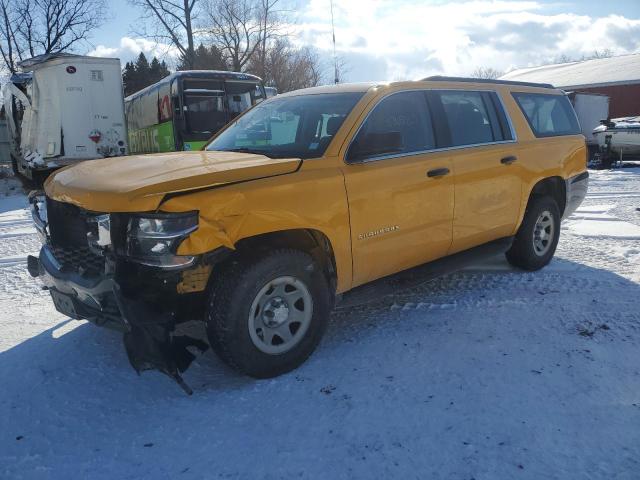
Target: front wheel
[[266, 316], [537, 238]]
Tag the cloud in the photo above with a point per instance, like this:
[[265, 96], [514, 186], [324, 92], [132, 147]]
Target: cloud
[[130, 48], [624, 34], [396, 39], [359, 42], [416, 38], [508, 36]]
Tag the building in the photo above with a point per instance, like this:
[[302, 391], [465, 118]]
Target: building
[[617, 77]]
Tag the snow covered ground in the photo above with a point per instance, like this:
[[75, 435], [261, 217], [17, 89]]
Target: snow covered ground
[[489, 373]]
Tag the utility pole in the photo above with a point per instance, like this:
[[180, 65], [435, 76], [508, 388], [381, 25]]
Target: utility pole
[[335, 58]]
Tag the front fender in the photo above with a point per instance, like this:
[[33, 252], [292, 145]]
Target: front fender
[[316, 200]]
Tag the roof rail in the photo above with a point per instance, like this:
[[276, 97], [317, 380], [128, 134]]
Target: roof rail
[[442, 78]]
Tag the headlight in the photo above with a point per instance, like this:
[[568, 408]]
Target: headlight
[[153, 239]]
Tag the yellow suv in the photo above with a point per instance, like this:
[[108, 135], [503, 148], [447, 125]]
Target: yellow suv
[[302, 199]]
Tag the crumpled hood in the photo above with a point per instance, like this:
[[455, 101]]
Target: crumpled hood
[[139, 182]]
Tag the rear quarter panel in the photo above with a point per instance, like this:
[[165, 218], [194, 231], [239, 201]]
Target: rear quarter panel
[[540, 158]]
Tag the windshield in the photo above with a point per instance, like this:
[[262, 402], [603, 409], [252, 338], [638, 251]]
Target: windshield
[[299, 127], [210, 104]]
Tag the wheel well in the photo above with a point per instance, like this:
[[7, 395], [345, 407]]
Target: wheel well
[[553, 187], [313, 242]]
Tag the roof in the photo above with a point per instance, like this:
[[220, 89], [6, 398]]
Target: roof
[[62, 57], [365, 86], [599, 72], [211, 74], [331, 88], [440, 78]]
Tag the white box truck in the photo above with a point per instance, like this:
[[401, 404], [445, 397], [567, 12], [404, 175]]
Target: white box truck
[[590, 108], [64, 108]]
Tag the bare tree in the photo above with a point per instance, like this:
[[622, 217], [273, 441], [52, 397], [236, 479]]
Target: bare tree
[[489, 73], [9, 49], [288, 68], [36, 27], [271, 28], [340, 69], [244, 30], [606, 53], [235, 28], [171, 22], [564, 58]]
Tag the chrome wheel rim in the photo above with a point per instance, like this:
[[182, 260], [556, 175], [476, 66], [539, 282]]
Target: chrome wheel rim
[[280, 315], [543, 233]]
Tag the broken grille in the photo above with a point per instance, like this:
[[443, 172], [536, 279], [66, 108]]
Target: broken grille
[[69, 226]]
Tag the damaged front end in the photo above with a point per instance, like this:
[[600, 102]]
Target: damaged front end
[[122, 271]]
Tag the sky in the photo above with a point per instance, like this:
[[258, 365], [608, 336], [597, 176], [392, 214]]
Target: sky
[[380, 40]]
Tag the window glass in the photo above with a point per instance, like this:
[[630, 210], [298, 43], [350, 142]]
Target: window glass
[[504, 127], [399, 124], [204, 111], [299, 126], [548, 115], [128, 109], [283, 132], [468, 118], [241, 96], [204, 107], [148, 108]]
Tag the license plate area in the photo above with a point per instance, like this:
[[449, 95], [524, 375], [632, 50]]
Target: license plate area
[[64, 304]]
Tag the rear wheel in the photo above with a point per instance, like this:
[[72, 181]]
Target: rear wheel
[[266, 316], [537, 239]]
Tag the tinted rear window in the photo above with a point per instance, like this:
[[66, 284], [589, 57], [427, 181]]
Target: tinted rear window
[[548, 115], [468, 118]]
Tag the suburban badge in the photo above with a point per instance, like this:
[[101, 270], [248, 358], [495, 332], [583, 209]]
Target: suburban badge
[[380, 231]]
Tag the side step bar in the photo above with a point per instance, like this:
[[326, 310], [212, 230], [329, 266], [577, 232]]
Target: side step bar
[[416, 276]]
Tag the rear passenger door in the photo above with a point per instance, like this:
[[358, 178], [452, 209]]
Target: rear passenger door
[[487, 176], [400, 190]]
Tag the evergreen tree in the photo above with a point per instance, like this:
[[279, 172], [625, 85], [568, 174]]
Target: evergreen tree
[[157, 70], [142, 64], [129, 79], [140, 74], [205, 58]]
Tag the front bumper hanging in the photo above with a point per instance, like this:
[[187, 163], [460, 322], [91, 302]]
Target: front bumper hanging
[[148, 334]]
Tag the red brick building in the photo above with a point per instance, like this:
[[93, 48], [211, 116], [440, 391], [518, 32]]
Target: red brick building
[[617, 77]]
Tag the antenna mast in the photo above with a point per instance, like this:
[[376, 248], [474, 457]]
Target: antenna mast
[[335, 58]]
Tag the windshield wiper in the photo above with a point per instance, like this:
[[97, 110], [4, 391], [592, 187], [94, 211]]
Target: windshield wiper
[[257, 151]]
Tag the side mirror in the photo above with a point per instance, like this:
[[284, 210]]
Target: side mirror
[[375, 144]]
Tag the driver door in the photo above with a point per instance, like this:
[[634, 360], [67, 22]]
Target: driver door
[[400, 192]]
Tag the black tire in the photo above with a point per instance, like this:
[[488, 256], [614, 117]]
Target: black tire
[[232, 293], [523, 252]]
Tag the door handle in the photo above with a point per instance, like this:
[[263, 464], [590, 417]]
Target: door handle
[[437, 172], [508, 160]]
